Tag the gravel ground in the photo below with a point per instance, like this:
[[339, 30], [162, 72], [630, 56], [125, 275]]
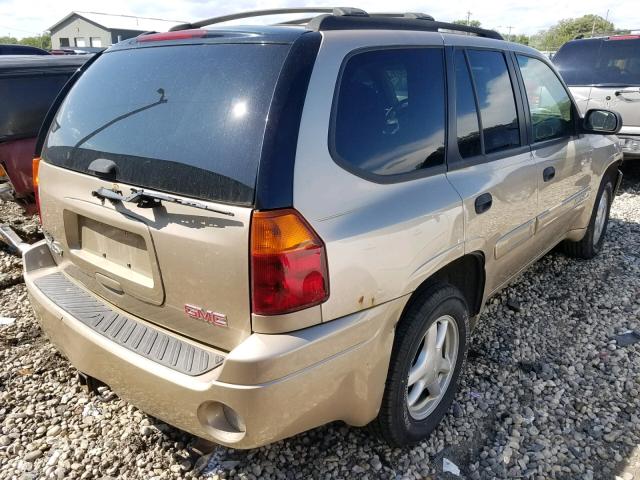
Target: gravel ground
[[548, 392]]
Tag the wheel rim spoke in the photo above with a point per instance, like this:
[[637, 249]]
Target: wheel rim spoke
[[415, 393], [419, 369]]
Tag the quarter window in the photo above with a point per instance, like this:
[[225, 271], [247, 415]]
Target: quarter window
[[390, 111], [549, 103], [468, 129], [500, 128]]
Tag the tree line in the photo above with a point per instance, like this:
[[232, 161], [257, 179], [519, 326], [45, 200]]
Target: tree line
[[555, 36], [41, 41]]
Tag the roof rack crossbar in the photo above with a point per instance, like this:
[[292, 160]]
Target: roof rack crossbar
[[337, 11], [414, 15], [405, 22]]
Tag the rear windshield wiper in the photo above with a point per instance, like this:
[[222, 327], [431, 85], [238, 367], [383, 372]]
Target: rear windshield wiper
[[146, 199]]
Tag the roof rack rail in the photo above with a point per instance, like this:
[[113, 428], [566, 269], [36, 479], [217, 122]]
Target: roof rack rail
[[348, 18], [270, 11]]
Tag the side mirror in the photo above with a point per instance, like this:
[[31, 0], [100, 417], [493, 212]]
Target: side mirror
[[604, 122]]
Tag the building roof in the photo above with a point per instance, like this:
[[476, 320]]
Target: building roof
[[122, 22]]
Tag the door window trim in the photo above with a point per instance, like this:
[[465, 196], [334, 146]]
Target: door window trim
[[399, 177], [454, 159]]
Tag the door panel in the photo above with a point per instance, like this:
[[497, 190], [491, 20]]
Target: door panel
[[504, 232], [488, 155], [561, 197], [562, 159]]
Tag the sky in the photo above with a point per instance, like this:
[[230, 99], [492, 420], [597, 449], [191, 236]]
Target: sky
[[22, 18]]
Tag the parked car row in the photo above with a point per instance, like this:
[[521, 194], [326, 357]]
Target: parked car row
[[248, 280], [29, 50]]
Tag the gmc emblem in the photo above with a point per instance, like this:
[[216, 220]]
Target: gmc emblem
[[208, 316]]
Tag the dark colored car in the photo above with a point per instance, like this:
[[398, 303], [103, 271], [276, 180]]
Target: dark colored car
[[28, 86], [21, 50], [76, 50]]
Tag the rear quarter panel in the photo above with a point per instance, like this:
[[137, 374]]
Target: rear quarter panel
[[382, 240]]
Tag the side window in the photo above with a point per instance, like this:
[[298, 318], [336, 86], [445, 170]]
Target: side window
[[389, 117], [500, 127], [549, 102], [468, 129]]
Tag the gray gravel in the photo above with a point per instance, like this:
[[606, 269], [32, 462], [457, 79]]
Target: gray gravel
[[548, 392]]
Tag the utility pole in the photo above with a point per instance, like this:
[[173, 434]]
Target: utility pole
[[468, 18], [509, 35]]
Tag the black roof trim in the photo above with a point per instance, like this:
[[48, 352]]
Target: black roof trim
[[374, 22]]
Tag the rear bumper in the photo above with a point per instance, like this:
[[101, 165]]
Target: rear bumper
[[271, 386]]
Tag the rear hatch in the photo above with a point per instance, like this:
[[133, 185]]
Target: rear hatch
[[187, 120], [605, 73]]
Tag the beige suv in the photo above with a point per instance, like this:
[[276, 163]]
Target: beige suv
[[253, 231]]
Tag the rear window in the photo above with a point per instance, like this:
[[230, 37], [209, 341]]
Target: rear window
[[390, 112], [186, 119], [612, 62]]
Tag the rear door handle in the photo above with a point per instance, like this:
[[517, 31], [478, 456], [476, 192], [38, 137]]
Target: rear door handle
[[483, 203], [548, 173]]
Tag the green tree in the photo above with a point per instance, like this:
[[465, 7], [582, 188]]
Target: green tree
[[567, 29], [472, 23], [521, 38], [8, 40], [41, 41]]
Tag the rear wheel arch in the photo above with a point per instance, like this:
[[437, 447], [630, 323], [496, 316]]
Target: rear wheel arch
[[466, 273]]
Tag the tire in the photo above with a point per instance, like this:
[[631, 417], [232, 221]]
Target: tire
[[591, 243], [398, 423]]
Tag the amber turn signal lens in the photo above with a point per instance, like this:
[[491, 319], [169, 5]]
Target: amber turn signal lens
[[36, 183]]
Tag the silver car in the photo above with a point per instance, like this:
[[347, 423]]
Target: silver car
[[253, 231], [605, 73]]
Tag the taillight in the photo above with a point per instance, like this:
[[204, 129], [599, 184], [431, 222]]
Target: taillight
[[36, 184], [288, 263]]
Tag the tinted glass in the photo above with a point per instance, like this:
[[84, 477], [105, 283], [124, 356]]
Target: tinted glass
[[549, 103], [25, 102], [600, 62], [181, 119], [468, 130], [496, 100], [390, 113]]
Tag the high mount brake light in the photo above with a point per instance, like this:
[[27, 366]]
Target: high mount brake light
[[36, 183], [179, 35], [288, 263], [624, 37]]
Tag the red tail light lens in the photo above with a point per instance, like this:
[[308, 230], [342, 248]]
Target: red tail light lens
[[288, 263], [36, 183]]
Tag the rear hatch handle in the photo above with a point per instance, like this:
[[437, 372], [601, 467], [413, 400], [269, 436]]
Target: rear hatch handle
[[147, 199], [628, 90]]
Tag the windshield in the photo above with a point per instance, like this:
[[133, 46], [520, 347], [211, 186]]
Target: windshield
[[605, 62], [186, 119]]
